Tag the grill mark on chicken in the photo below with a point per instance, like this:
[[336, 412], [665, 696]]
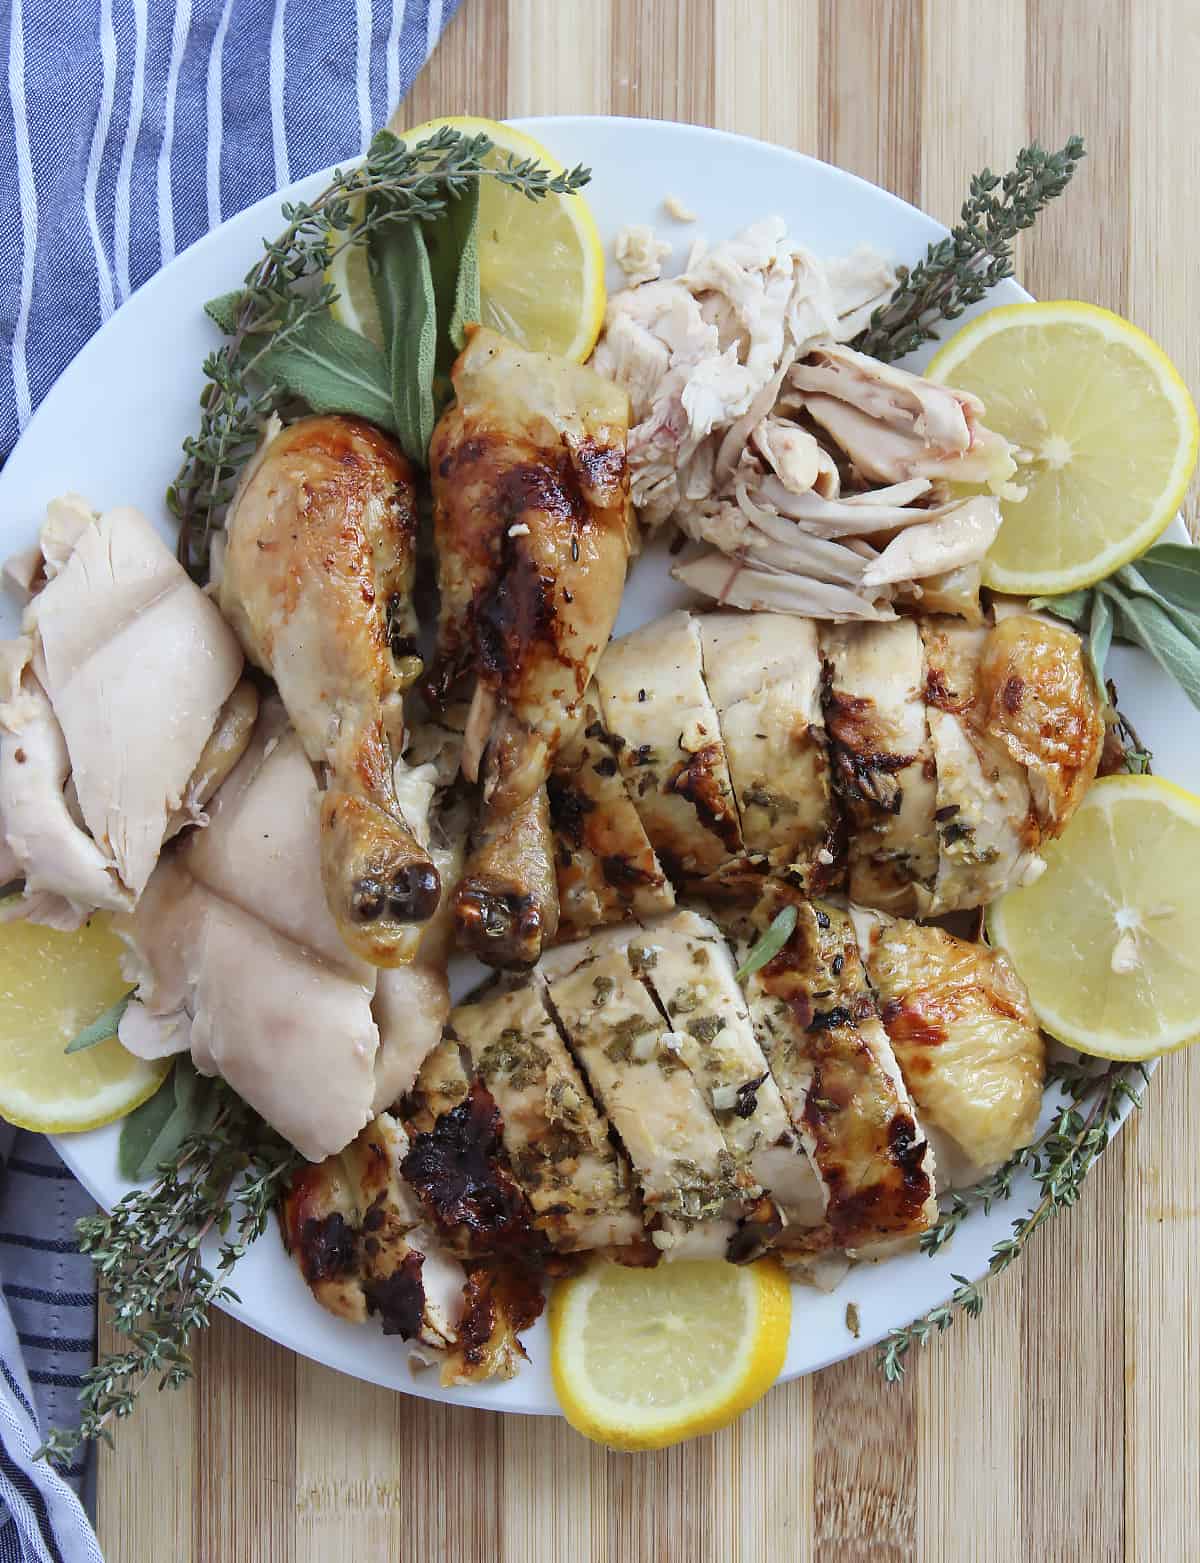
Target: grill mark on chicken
[[864, 772], [398, 1298], [456, 1168], [698, 779], [833, 1064], [325, 1247], [498, 1305]]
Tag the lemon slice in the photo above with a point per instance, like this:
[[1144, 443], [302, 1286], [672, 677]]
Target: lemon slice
[[52, 986], [645, 1358], [1106, 430], [541, 263], [1108, 939]]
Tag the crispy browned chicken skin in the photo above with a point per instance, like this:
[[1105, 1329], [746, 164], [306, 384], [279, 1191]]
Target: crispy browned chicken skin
[[532, 523], [317, 579]]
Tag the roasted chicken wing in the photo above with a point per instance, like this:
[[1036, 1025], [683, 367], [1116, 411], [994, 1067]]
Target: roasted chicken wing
[[316, 580]]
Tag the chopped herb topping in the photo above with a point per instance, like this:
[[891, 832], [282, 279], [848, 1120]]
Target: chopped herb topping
[[519, 1056]]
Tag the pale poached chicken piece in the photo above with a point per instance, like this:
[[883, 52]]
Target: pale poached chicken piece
[[112, 695]]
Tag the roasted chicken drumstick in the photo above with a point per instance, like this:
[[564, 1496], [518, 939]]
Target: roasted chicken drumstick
[[533, 529], [317, 577]]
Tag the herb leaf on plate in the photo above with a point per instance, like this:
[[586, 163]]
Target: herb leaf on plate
[[224, 1177], [1154, 602], [333, 369], [403, 283], [959, 270], [103, 1027]]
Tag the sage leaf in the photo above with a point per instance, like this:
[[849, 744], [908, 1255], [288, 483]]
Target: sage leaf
[[1075, 607], [1099, 640], [1134, 584], [142, 1127], [225, 310], [404, 292], [333, 369], [1143, 620], [783, 926], [467, 308], [157, 1135], [103, 1027], [1173, 570]]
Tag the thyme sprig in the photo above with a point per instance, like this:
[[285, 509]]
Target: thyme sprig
[[1059, 1161], [284, 291], [957, 271], [224, 1179]]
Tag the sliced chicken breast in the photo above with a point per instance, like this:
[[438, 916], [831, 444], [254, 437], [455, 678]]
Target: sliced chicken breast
[[689, 968], [965, 1037], [837, 1074], [557, 1144], [668, 739], [66, 874], [607, 869], [882, 759], [763, 672], [630, 1055]]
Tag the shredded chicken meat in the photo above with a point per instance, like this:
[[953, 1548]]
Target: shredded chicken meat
[[817, 478]]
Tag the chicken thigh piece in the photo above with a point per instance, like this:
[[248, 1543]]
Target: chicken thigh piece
[[317, 576], [533, 530]]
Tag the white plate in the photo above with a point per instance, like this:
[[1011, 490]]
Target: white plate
[[111, 429]]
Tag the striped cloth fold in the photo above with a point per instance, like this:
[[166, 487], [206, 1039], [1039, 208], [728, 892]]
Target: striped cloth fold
[[129, 129]]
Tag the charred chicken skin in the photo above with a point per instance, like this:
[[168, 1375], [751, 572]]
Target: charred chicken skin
[[533, 530], [317, 578]]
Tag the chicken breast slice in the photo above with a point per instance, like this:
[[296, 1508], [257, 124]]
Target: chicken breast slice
[[66, 874], [557, 1143], [262, 848], [882, 759], [668, 739], [137, 663], [763, 673], [628, 1052], [965, 1037], [688, 966], [987, 828], [832, 1060], [607, 869]]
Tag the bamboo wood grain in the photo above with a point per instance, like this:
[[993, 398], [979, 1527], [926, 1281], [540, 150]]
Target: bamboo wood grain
[[1065, 1424]]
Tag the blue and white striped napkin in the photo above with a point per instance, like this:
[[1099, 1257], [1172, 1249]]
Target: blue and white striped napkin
[[130, 128]]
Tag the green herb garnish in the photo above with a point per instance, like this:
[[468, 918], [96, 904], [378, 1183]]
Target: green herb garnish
[[958, 271], [1059, 1161], [225, 1178], [1154, 602], [103, 1027], [783, 926], [276, 351]]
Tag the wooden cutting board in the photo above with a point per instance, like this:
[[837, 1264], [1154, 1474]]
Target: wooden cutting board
[[1065, 1423]]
